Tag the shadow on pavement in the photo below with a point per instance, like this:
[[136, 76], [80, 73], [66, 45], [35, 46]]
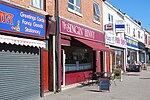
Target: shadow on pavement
[[145, 78], [132, 74], [94, 90], [86, 84]]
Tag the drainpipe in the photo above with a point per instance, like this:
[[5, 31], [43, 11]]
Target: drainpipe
[[57, 49]]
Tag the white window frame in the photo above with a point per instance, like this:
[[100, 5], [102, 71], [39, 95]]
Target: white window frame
[[139, 34], [37, 3], [75, 6], [128, 28], [110, 18], [96, 13], [134, 32]]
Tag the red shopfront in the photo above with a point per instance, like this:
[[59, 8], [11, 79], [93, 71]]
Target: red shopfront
[[82, 52]]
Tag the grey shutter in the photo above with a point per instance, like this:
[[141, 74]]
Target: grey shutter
[[19, 73]]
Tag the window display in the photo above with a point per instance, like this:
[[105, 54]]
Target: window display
[[78, 58], [119, 61], [142, 57], [131, 57]]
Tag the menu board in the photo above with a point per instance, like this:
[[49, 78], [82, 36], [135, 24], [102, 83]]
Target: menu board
[[104, 84]]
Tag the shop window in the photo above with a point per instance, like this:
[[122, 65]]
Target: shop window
[[74, 6], [119, 60], [142, 57], [131, 57], [78, 59], [96, 12], [37, 3]]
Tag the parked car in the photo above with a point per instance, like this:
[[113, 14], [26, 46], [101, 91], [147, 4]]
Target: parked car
[[133, 68]]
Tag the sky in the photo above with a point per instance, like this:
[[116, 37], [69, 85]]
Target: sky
[[136, 9]]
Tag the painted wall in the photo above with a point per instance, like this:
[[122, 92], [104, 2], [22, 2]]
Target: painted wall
[[133, 28], [117, 15], [77, 77], [108, 61], [147, 44]]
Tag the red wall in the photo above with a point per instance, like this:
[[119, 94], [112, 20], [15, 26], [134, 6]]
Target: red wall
[[108, 61], [98, 61], [45, 70], [123, 60], [76, 77]]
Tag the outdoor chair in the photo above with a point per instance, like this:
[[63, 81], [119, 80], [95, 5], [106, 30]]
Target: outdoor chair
[[88, 77], [112, 78]]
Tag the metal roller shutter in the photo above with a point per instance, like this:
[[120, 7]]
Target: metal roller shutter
[[19, 72]]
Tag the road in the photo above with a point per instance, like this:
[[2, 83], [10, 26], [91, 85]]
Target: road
[[135, 86]]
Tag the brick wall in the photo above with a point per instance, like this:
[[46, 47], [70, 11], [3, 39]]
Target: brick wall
[[87, 12], [49, 5]]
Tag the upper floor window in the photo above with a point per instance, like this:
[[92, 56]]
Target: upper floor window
[[37, 3], [145, 38], [110, 18], [96, 12], [74, 5], [149, 40], [128, 28], [139, 34], [133, 32]]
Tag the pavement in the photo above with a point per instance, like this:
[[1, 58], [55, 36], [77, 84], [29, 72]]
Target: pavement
[[135, 86]]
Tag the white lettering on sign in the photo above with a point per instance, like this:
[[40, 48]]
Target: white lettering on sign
[[73, 28], [89, 33], [37, 25], [32, 30], [77, 30], [40, 19], [28, 16], [26, 22]]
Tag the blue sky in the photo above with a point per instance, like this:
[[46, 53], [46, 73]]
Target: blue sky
[[137, 9]]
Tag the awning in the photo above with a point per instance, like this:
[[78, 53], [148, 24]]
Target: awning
[[65, 42], [21, 41], [141, 45], [94, 45]]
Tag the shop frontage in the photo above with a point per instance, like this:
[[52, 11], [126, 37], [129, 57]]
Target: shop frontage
[[148, 56], [132, 52], [82, 52], [117, 56], [21, 42], [142, 52]]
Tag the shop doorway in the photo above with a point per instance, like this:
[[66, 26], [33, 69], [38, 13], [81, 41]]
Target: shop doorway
[[94, 61], [63, 57], [112, 61], [102, 61]]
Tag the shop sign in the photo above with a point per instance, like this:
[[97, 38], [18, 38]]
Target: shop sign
[[77, 30], [120, 26], [132, 43], [108, 27], [21, 22], [116, 41], [141, 45]]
